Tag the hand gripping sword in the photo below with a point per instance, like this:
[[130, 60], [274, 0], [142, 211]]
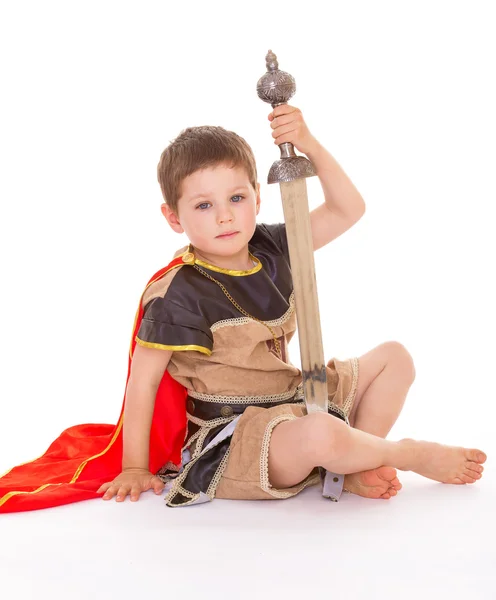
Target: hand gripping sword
[[277, 87]]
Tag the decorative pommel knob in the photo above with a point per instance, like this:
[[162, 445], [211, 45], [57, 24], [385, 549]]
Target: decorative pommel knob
[[275, 87], [271, 61]]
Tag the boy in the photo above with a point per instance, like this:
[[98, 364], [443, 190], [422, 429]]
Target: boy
[[219, 322]]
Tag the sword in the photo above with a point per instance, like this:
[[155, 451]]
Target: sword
[[277, 87]]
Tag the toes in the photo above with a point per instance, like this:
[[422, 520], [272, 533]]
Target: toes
[[475, 467], [467, 478], [388, 494], [476, 456], [386, 473]]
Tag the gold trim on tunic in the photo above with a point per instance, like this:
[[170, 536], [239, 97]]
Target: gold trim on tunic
[[189, 258], [255, 269], [201, 349]]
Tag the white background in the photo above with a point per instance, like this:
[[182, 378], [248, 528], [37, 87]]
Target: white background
[[401, 93]]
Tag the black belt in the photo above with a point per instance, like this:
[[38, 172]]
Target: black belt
[[213, 410]]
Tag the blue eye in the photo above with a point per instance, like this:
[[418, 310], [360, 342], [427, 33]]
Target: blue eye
[[203, 205], [237, 196]]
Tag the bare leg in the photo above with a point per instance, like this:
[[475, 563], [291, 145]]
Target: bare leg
[[322, 440], [386, 373]]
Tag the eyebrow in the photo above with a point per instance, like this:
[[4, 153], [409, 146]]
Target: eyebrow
[[238, 188]]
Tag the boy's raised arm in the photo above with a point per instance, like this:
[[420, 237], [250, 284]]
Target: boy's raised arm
[[147, 369], [343, 205]]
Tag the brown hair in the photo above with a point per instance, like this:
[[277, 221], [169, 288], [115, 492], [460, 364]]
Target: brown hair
[[197, 148]]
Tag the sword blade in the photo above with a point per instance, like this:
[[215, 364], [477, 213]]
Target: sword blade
[[298, 229]]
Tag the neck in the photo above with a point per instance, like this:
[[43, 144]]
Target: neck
[[240, 261]]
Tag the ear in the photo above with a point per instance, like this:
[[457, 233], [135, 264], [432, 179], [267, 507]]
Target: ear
[[258, 199], [171, 218]]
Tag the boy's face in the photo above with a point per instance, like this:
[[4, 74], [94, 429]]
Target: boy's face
[[216, 201]]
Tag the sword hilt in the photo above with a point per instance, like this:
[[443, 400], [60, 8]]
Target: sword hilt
[[277, 87]]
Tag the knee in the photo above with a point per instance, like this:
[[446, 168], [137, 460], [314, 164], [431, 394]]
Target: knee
[[328, 437], [403, 360]]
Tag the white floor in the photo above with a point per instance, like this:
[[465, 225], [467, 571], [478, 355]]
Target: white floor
[[431, 541]]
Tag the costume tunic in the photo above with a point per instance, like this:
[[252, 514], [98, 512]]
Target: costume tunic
[[226, 360]]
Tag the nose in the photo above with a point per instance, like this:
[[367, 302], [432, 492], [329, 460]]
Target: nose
[[224, 215]]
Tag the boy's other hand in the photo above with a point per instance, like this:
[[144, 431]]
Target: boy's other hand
[[132, 482], [289, 126]]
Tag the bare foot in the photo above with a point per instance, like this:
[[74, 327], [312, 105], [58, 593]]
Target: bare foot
[[447, 464], [376, 483]]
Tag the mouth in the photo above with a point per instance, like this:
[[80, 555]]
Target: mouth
[[229, 234]]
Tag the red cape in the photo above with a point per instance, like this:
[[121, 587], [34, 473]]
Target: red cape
[[84, 457]]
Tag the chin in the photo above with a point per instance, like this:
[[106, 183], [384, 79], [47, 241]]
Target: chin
[[233, 247], [227, 251]]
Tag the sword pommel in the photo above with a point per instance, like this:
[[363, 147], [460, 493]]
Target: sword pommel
[[275, 87]]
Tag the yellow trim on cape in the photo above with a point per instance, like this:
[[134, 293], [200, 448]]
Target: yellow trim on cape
[[201, 349], [9, 495], [114, 437]]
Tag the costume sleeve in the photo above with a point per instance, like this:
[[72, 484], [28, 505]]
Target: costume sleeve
[[167, 325], [277, 232]]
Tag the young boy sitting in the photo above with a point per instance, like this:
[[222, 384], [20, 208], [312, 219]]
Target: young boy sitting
[[220, 322]]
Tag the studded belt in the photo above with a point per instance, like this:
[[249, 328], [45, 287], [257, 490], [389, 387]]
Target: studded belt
[[213, 410]]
